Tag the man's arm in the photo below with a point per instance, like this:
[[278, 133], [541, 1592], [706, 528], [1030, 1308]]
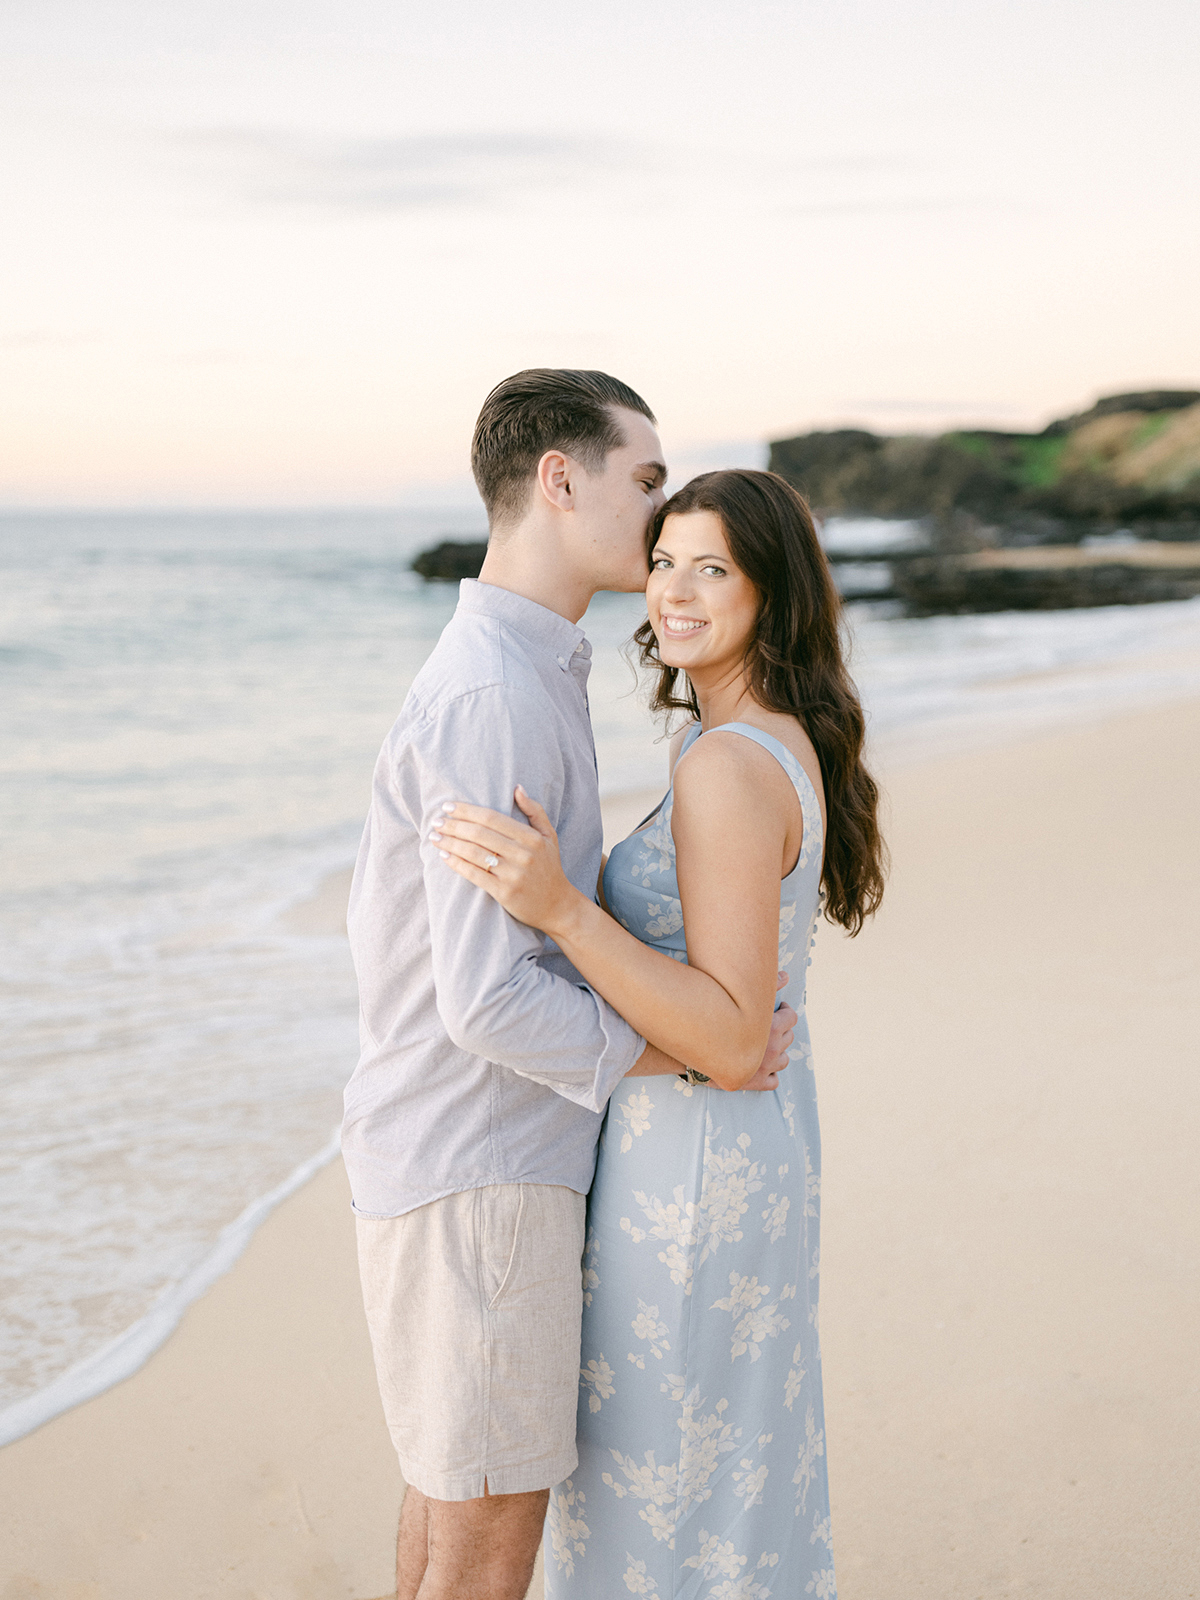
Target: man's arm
[[495, 998]]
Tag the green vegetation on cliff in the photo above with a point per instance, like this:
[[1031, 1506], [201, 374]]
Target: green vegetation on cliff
[[1132, 460]]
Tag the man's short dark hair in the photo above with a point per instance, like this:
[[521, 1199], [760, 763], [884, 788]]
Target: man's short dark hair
[[544, 408]]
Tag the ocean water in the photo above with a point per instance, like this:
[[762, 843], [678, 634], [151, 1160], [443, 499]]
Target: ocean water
[[190, 707]]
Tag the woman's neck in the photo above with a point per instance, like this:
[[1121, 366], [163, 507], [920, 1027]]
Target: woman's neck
[[722, 698]]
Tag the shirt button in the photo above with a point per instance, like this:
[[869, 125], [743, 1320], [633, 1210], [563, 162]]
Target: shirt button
[[562, 660]]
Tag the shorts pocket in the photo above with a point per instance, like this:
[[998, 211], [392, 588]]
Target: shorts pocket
[[503, 1214]]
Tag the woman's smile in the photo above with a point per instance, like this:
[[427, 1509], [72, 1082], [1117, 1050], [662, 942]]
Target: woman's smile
[[678, 626]]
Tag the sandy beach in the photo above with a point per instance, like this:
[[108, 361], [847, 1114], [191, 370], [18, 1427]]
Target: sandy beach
[[1011, 1262]]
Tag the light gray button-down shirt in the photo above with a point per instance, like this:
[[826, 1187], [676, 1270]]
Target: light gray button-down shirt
[[485, 1057]]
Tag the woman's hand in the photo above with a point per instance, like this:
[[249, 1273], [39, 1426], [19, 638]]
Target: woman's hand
[[517, 865], [775, 1056]]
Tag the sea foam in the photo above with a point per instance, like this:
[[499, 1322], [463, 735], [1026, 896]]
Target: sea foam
[[121, 1357]]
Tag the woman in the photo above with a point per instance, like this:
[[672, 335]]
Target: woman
[[701, 1439]]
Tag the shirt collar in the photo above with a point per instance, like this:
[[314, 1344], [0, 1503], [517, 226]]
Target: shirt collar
[[542, 627]]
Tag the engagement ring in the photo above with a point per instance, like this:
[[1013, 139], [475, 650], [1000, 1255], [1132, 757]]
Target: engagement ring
[[491, 861]]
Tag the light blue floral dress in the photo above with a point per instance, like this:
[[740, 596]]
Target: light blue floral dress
[[701, 1427]]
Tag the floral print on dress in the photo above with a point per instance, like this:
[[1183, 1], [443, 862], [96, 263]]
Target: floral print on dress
[[755, 1321], [591, 1277], [637, 1579], [566, 1531], [694, 1231], [812, 1447], [822, 1583], [663, 916], [720, 1560], [634, 1116], [656, 852], [597, 1380], [646, 1325], [778, 1205], [701, 1437], [795, 1378]]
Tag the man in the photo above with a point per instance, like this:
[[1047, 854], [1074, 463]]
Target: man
[[472, 1118]]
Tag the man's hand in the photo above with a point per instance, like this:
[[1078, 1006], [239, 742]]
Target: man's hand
[[775, 1057]]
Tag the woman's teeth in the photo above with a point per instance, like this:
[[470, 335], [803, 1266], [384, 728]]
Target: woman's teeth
[[681, 625]]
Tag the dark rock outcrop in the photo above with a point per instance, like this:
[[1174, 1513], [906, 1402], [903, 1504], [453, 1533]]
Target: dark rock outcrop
[[1149, 401], [1053, 579], [1132, 460], [451, 560]]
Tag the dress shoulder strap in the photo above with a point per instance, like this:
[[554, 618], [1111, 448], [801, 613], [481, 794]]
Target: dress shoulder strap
[[690, 738]]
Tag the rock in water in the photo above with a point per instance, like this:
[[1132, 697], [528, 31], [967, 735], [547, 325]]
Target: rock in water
[[1049, 578], [451, 560]]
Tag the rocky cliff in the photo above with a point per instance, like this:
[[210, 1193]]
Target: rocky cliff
[[1131, 461]]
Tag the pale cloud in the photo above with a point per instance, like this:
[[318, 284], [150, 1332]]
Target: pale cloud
[[413, 173], [886, 205], [42, 338], [475, 171], [973, 407]]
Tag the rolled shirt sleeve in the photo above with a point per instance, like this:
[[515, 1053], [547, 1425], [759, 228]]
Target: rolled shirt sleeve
[[504, 992]]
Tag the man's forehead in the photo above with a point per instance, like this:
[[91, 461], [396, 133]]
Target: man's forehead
[[642, 448], [640, 433]]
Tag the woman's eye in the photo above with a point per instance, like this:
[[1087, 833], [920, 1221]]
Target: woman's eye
[[718, 571], [662, 563]]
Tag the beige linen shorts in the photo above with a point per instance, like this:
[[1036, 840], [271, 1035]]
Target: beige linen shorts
[[474, 1305]]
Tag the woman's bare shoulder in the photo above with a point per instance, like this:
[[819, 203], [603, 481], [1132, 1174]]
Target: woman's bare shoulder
[[723, 766], [735, 809], [793, 735], [743, 771]]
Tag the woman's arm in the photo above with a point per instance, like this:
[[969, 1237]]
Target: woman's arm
[[654, 1063], [733, 806]]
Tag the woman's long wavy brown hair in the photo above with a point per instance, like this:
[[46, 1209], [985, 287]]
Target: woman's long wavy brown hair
[[794, 665]]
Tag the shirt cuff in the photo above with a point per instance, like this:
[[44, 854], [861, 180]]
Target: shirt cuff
[[622, 1047]]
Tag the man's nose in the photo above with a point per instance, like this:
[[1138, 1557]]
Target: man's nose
[[658, 498]]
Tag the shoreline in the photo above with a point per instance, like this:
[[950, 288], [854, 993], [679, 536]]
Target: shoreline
[[258, 1416], [321, 914], [126, 1354]]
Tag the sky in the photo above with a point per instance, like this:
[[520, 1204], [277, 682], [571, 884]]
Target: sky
[[267, 253]]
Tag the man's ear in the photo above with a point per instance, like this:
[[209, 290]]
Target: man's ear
[[555, 472]]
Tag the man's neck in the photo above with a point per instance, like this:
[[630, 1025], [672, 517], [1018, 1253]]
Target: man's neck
[[513, 565]]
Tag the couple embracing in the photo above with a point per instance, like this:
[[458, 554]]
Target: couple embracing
[[572, 1099]]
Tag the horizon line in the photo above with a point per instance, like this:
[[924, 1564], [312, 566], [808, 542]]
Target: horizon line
[[241, 508]]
